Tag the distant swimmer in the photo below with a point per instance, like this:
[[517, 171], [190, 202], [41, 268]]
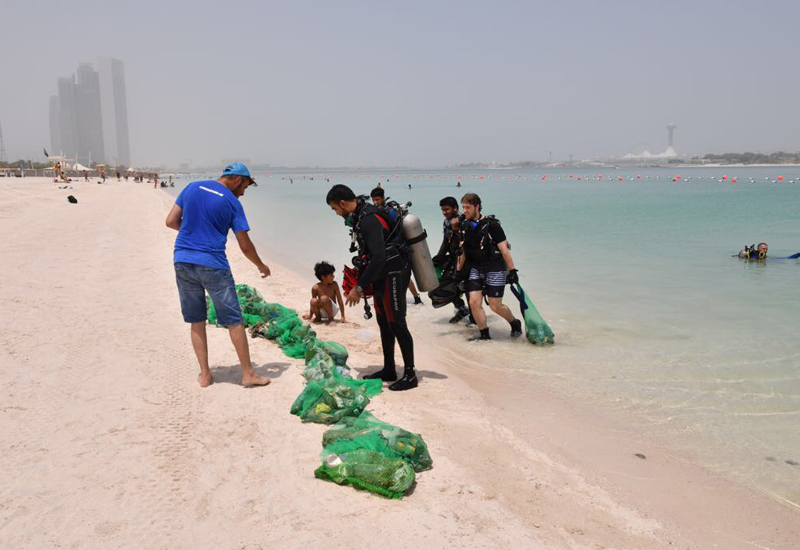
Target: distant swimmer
[[409, 186], [753, 252], [458, 184]]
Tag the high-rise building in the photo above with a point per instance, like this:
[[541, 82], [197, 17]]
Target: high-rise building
[[89, 122], [115, 111], [89, 116], [66, 117]]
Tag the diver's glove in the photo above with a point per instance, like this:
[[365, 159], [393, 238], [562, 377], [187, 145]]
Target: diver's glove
[[513, 277]]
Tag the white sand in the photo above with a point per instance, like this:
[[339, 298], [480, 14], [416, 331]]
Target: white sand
[[108, 441]]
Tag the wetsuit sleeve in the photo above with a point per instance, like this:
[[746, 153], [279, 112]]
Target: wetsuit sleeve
[[372, 231]]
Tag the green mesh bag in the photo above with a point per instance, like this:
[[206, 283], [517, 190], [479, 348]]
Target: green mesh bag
[[212, 312], [337, 352], [321, 366], [536, 329], [368, 432], [329, 400], [369, 470]]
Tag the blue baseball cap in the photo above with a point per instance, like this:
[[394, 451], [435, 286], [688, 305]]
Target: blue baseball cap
[[238, 169]]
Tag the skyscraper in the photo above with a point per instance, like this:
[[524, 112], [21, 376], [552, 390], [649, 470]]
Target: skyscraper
[[66, 116], [115, 111], [89, 122], [89, 116]]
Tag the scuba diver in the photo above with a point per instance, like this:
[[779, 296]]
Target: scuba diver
[[446, 259], [491, 267], [383, 263], [754, 253], [378, 196]]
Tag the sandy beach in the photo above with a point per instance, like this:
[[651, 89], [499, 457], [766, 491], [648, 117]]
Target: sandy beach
[[109, 442]]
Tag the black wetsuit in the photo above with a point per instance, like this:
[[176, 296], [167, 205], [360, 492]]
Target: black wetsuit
[[447, 256], [389, 272]]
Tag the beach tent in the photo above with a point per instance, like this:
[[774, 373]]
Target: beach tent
[[81, 167], [131, 170]]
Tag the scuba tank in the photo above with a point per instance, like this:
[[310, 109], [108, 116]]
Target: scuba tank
[[420, 254]]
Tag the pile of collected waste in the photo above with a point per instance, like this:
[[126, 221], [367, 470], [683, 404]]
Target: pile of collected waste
[[360, 450]]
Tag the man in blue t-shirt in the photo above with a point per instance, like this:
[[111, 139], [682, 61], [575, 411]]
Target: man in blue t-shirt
[[202, 214]]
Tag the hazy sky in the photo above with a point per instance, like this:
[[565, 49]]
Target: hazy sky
[[414, 83]]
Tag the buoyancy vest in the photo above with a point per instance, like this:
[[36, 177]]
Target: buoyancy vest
[[487, 249]]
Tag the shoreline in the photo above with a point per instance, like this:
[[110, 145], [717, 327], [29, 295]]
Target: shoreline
[[111, 384]]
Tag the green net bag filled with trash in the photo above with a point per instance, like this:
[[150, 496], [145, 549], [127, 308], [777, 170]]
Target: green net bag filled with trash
[[320, 365], [536, 329], [335, 350], [329, 400], [369, 470], [368, 432]]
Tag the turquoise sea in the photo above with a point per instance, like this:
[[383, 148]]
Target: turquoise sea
[[652, 314]]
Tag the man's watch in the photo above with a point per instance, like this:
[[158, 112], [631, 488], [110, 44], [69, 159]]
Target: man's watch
[[359, 290]]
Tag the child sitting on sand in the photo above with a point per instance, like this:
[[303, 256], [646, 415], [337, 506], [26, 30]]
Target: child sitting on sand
[[324, 295]]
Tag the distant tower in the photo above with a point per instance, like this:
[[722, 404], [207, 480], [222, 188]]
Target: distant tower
[[2, 147], [670, 129]]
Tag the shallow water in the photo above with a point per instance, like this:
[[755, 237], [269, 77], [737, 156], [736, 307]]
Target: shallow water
[[651, 312]]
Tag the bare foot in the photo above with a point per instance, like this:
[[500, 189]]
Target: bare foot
[[205, 380], [255, 380]]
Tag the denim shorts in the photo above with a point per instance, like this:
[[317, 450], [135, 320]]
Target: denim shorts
[[193, 283]]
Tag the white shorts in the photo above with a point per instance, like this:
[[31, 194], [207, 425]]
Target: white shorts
[[324, 314]]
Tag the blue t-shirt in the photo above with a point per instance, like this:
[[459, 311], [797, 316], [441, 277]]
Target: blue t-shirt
[[209, 210]]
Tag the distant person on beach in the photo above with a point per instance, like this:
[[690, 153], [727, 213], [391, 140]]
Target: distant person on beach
[[326, 296], [155, 181], [378, 196], [384, 266], [491, 267], [203, 214], [446, 259], [86, 176]]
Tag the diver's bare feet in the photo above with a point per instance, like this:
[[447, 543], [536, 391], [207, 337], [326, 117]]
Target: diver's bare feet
[[205, 380], [254, 380]]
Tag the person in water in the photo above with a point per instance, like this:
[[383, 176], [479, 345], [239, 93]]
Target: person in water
[[378, 196], [446, 258], [202, 215], [491, 267], [755, 253], [385, 266], [325, 295]]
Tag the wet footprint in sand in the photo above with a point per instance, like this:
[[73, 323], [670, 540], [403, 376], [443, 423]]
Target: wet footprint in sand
[[770, 459], [792, 463], [640, 455]]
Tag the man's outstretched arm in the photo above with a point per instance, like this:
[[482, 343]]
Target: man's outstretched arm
[[249, 251]]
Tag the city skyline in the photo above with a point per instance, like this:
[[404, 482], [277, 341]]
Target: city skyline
[[88, 115]]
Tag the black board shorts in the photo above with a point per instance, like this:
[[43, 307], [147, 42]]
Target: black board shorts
[[489, 278]]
